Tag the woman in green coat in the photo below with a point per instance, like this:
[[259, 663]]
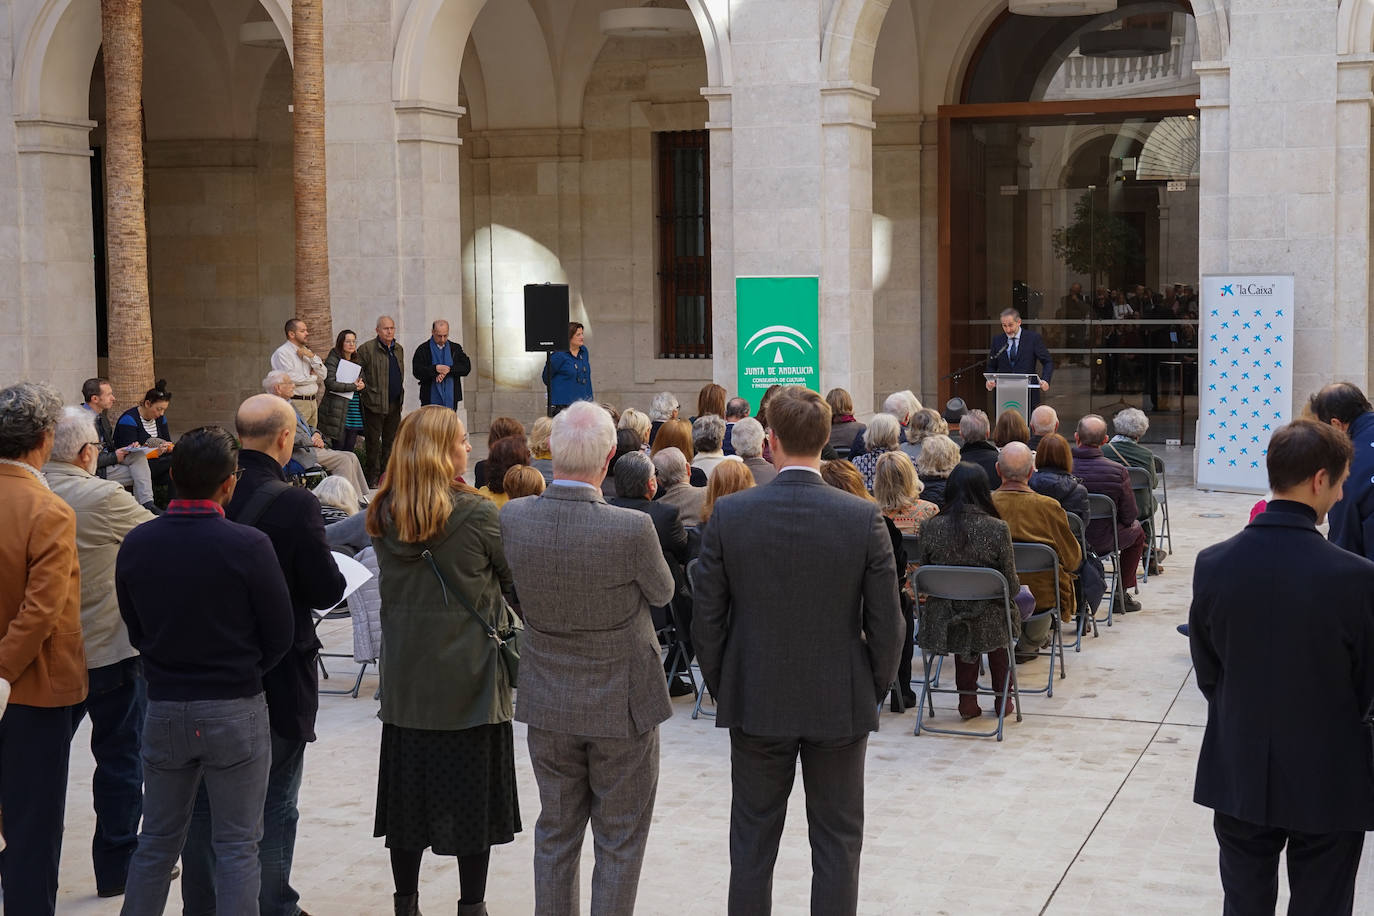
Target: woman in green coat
[[447, 776]]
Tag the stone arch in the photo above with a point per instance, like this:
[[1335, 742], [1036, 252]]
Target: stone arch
[[850, 39], [1355, 27], [52, 72], [1085, 137]]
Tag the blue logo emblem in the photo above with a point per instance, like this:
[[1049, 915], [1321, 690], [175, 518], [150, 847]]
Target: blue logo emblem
[[1227, 290]]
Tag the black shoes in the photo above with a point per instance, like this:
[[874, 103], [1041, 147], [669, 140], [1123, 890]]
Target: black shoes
[[678, 687]]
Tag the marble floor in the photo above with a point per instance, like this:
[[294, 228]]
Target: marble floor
[[1084, 808]]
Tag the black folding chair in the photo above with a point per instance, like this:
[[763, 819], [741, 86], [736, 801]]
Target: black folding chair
[[701, 689], [1085, 620], [965, 583], [1140, 486], [1101, 506], [1163, 500], [1037, 558]]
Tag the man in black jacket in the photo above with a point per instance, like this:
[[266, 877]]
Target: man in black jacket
[[978, 449], [1283, 767], [290, 517], [440, 364]]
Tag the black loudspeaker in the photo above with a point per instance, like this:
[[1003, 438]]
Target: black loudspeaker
[[546, 317]]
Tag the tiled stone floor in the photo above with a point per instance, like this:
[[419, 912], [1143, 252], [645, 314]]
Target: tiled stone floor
[[1084, 808]]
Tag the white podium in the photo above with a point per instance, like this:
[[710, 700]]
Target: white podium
[[1013, 391]]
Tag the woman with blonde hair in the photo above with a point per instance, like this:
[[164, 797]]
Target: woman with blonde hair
[[523, 480], [447, 775], [939, 457], [637, 421], [541, 459], [728, 477], [679, 436], [898, 492]]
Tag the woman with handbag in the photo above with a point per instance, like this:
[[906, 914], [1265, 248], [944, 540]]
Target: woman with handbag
[[447, 776]]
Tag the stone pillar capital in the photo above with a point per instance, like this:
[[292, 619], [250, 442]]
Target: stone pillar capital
[[419, 120], [718, 104], [54, 135], [847, 103]]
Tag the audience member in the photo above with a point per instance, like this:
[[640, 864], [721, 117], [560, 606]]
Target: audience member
[[728, 477], [541, 459], [977, 449], [736, 409], [939, 456], [41, 656], [841, 474], [588, 574], [384, 387], [303, 367], [117, 698], [749, 436], [882, 436], [205, 661], [345, 525], [1011, 427], [826, 593], [708, 435], [290, 517], [678, 434], [307, 444], [440, 365], [1036, 519], [673, 487], [340, 411], [1043, 422], [1101, 475], [1054, 478], [637, 422], [626, 441], [142, 429], [1125, 448], [897, 490], [500, 428], [1283, 767], [969, 532], [122, 465], [924, 424], [762, 413], [446, 779], [899, 406], [523, 480], [844, 428], [710, 400], [504, 454], [1345, 407], [663, 408]]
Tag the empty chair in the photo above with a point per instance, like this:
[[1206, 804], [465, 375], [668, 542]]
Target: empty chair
[[1163, 499], [1140, 485], [1035, 558], [1100, 506], [1085, 620]]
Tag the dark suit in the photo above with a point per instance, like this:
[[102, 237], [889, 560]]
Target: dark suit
[[798, 629], [1030, 350], [672, 537], [1284, 766], [422, 367]]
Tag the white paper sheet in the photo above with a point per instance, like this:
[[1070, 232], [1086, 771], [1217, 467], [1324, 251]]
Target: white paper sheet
[[348, 372], [354, 573]]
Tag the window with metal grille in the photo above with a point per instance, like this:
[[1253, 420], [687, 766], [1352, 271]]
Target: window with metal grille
[[684, 244]]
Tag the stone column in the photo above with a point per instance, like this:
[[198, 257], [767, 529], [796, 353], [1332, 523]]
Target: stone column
[[51, 336], [725, 366]]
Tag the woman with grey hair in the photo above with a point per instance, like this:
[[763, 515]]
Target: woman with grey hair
[[939, 457], [748, 437], [675, 488], [40, 613], [663, 408], [883, 435], [1125, 448], [708, 440], [923, 424]]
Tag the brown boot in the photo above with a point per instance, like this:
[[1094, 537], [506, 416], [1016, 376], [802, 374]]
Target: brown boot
[[997, 670], [966, 678]]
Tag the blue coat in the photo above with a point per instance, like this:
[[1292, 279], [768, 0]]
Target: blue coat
[[129, 429], [571, 377], [1352, 519]]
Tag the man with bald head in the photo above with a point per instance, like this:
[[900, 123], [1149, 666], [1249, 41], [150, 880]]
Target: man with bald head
[[1102, 475], [1036, 519], [1043, 422], [290, 517], [381, 359], [440, 364]]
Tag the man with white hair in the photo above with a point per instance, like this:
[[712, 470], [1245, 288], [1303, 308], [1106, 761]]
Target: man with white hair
[[117, 698], [592, 691], [900, 404], [736, 409], [974, 429], [662, 408], [309, 450], [1044, 421], [675, 488], [749, 446]]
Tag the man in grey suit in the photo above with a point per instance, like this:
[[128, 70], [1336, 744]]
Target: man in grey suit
[[592, 689], [798, 630]]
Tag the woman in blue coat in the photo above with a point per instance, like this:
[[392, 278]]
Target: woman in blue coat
[[569, 372]]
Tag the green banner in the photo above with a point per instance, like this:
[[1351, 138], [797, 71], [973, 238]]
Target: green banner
[[778, 323]]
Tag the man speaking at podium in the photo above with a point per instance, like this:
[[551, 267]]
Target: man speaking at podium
[[1018, 349]]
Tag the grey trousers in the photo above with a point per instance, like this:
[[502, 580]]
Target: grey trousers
[[762, 770], [345, 465], [610, 781], [135, 471]]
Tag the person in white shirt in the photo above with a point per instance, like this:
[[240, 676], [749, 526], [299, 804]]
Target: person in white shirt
[[305, 368]]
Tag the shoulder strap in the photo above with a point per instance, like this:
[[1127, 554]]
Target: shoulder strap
[[490, 630], [262, 499]]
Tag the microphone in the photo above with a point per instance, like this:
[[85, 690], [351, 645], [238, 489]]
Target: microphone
[[993, 359]]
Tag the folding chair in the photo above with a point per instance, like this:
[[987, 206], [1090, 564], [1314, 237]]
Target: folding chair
[[1103, 506], [1140, 486], [966, 583], [1037, 558], [309, 478], [842, 452], [338, 613], [701, 690], [1163, 499], [912, 544], [1084, 620]]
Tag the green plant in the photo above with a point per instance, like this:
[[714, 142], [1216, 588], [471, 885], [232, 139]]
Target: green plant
[[1097, 242]]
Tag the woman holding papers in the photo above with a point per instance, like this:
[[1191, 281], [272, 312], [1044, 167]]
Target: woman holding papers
[[340, 386]]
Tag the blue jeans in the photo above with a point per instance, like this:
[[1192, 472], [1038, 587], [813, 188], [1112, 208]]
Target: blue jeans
[[277, 897], [225, 745], [117, 704], [35, 746]]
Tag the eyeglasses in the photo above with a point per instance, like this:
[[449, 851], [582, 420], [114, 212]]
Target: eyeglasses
[[238, 472], [96, 444]]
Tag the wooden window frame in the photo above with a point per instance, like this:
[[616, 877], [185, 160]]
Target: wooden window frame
[[682, 274]]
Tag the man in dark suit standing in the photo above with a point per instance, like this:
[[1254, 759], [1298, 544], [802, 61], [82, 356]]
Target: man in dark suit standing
[[798, 630], [440, 366], [1284, 768], [1018, 349]]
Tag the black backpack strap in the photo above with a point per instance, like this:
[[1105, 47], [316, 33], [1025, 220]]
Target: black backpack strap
[[262, 499]]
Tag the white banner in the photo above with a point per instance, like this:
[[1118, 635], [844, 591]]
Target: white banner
[[1245, 377]]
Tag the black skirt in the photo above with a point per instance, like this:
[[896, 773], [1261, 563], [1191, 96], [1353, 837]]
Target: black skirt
[[449, 791]]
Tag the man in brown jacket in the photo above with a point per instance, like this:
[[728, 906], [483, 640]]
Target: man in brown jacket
[[382, 359], [1036, 519], [41, 653]]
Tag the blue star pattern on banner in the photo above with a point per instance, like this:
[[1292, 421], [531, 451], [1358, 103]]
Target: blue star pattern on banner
[[1245, 369]]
